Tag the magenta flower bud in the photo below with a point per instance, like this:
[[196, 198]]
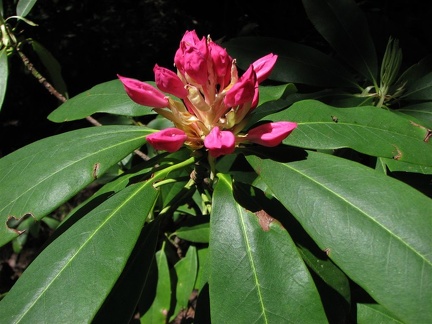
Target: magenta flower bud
[[195, 65], [167, 81], [219, 142], [270, 134], [243, 91], [143, 93], [168, 139], [190, 38], [221, 60], [191, 57], [264, 66]]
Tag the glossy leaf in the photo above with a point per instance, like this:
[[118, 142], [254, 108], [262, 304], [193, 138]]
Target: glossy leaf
[[159, 309], [121, 304], [345, 28], [394, 166], [41, 176], [53, 67], [186, 272], [368, 130], [202, 274], [78, 270], [375, 228], [415, 71], [421, 89], [195, 229], [373, 313], [421, 111], [4, 73], [296, 63], [250, 280], [24, 7], [108, 97]]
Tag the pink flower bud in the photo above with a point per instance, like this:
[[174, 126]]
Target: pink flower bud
[[219, 142], [243, 91], [168, 139], [221, 60], [143, 93], [168, 81], [264, 66], [191, 57], [270, 134]]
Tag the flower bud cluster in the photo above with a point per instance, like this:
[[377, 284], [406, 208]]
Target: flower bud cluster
[[213, 101]]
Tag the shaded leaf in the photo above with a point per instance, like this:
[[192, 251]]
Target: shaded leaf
[[368, 130], [108, 97], [421, 111], [121, 304], [4, 73], [345, 28], [375, 228], [78, 270], [296, 63], [158, 311], [52, 65], [421, 89], [186, 272], [250, 280], [374, 313], [41, 176], [195, 229], [394, 166], [24, 7]]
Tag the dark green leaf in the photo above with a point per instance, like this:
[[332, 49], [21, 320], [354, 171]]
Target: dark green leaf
[[344, 26], [421, 89], [109, 97], [196, 230], [252, 281], [121, 304], [78, 270], [375, 228], [53, 67], [159, 309], [416, 71], [202, 275], [296, 63], [186, 272], [24, 7], [41, 176], [421, 111], [368, 130], [374, 313], [394, 165]]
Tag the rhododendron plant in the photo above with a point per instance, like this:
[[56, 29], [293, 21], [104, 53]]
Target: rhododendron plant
[[213, 102], [220, 192]]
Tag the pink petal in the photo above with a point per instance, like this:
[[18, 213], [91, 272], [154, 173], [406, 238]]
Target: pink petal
[[219, 142], [221, 60], [191, 57], [264, 66], [168, 81], [168, 139], [243, 91], [143, 93], [270, 134]]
